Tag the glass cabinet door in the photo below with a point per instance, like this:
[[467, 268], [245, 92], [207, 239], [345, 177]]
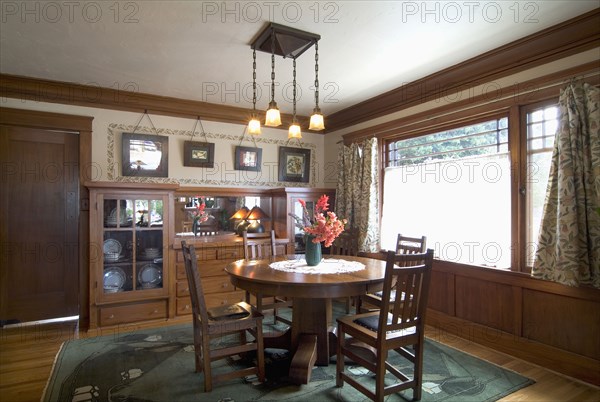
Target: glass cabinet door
[[133, 245]]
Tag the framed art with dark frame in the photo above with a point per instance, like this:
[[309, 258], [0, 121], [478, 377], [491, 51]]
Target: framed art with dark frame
[[199, 154], [145, 155], [248, 158], [294, 164]]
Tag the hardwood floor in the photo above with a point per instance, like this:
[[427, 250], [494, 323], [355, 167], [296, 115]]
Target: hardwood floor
[[27, 355]]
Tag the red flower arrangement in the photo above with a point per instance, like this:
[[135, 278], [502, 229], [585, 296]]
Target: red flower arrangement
[[325, 225], [199, 214]]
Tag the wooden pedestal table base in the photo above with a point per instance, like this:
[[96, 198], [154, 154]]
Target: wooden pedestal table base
[[309, 337]]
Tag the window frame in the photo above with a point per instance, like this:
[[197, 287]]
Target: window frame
[[516, 113]]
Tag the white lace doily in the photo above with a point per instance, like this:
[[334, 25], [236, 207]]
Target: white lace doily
[[326, 266]]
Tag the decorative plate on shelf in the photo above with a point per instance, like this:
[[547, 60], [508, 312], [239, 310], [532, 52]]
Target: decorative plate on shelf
[[111, 219], [114, 279], [112, 246], [150, 276]]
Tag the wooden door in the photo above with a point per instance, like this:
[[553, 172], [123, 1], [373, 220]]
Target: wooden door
[[39, 219]]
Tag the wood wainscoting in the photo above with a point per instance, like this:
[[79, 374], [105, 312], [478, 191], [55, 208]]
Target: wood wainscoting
[[555, 326]]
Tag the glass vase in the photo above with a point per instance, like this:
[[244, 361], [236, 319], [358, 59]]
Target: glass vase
[[313, 251], [195, 226]]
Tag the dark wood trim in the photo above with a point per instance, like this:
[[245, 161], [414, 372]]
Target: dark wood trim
[[131, 185], [579, 367], [68, 93], [526, 330], [534, 90], [570, 37], [519, 279], [83, 125]]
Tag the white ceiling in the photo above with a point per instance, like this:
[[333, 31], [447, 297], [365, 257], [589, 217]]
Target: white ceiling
[[200, 50]]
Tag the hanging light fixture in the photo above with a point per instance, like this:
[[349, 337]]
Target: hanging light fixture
[[273, 118], [287, 42], [316, 120], [294, 131], [254, 124]]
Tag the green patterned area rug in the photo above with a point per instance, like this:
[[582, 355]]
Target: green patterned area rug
[[158, 365]]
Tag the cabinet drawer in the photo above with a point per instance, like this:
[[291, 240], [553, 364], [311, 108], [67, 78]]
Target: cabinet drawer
[[217, 284], [202, 254], [209, 268], [184, 304], [230, 253], [183, 289], [132, 312], [222, 299]]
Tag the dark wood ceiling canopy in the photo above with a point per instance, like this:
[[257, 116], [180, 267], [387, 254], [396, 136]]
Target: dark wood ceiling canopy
[[288, 42]]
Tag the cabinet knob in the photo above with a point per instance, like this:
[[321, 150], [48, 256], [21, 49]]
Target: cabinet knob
[[187, 307], [110, 317], [155, 311]]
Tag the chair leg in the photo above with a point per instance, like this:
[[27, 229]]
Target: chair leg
[[380, 376], [341, 342], [197, 346], [418, 376], [260, 352], [206, 364]]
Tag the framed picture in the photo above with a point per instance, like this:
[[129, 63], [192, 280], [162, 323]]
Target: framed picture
[[199, 154], [145, 155], [294, 164], [247, 158]]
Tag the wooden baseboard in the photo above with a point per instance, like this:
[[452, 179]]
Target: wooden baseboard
[[567, 363]]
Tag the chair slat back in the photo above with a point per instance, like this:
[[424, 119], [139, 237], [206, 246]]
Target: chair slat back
[[346, 243], [410, 245], [409, 276], [194, 283], [259, 245]]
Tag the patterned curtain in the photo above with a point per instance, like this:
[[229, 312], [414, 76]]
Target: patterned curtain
[[569, 241], [357, 196]]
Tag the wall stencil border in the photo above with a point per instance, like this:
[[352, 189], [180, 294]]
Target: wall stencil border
[[242, 178]]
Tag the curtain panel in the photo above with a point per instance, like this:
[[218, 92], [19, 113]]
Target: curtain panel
[[357, 195], [568, 249]]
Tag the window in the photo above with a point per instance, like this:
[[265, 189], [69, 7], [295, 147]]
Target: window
[[477, 201], [541, 126], [454, 187]]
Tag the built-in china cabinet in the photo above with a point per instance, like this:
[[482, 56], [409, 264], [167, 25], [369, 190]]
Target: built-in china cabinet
[[129, 252]]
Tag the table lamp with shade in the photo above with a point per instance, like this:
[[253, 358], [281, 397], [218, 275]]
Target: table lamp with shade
[[254, 217], [240, 215]]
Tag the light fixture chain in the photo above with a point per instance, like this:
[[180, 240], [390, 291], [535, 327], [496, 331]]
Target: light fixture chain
[[294, 86], [317, 74], [254, 80], [273, 67]]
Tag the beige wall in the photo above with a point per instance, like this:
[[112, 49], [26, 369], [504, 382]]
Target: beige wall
[[109, 124]]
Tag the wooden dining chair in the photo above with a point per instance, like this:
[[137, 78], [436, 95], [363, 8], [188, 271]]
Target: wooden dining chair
[[346, 244], [398, 326], [213, 323], [410, 245], [404, 245], [260, 246]]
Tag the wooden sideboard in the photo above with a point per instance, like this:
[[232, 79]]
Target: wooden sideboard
[[213, 254]]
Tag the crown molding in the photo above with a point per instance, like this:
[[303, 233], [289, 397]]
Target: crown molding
[[534, 90], [68, 93], [568, 38]]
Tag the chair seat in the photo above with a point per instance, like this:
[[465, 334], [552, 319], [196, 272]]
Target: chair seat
[[372, 322], [229, 312]]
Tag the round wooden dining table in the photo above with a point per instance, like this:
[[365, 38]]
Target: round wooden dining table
[[309, 337]]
